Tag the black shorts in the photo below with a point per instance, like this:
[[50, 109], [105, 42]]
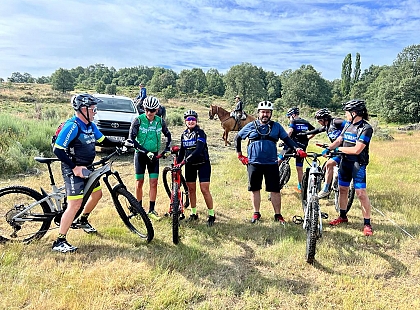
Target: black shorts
[[203, 171], [256, 172], [141, 162], [75, 186], [350, 170]]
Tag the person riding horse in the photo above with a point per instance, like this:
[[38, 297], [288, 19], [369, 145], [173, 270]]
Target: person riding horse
[[238, 113]]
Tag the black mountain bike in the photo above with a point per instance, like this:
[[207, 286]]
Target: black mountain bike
[[26, 214], [177, 190]]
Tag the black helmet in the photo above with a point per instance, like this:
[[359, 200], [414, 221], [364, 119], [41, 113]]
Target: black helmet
[[190, 113], [292, 111], [354, 105], [84, 100], [323, 114]]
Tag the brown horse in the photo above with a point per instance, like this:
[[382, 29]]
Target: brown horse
[[228, 122]]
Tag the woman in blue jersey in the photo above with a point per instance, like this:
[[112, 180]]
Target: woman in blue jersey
[[354, 143], [262, 162], [194, 155]]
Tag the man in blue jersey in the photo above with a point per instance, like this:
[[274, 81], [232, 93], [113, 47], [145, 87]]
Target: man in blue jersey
[[263, 135], [75, 147], [354, 142]]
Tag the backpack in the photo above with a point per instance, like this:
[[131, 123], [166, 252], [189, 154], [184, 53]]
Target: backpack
[[59, 128]]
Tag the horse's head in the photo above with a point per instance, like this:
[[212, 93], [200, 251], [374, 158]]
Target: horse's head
[[212, 111]]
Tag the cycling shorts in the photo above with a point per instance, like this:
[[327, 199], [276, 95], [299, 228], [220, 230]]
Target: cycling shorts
[[350, 170], [141, 162], [75, 185], [256, 172], [202, 170]]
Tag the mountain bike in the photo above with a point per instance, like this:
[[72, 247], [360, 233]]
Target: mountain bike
[[334, 188], [177, 190], [312, 219], [26, 214]]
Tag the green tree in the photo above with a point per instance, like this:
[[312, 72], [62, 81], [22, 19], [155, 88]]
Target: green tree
[[273, 86], [186, 82], [162, 78], [62, 80], [215, 84], [111, 89], [346, 76], [100, 87], [306, 87], [357, 70], [16, 77]]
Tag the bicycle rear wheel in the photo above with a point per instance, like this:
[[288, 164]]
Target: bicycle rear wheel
[[284, 173], [132, 213], [167, 178], [304, 187], [336, 190], [175, 207], [312, 231], [33, 224]]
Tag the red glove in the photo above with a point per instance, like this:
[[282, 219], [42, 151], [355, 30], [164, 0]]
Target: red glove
[[243, 159], [301, 153], [182, 163]]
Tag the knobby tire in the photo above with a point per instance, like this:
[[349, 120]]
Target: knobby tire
[[132, 213], [284, 173], [36, 222], [175, 204], [167, 178], [312, 230], [351, 194]]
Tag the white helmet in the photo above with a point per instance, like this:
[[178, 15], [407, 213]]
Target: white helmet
[[265, 105], [151, 103]]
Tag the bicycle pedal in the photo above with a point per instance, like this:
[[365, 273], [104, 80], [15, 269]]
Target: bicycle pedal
[[297, 219], [324, 215]]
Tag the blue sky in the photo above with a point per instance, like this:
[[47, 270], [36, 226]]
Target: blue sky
[[40, 36]]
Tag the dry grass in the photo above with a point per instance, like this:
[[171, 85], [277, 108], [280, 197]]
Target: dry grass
[[233, 265]]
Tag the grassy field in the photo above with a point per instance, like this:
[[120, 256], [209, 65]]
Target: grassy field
[[234, 264]]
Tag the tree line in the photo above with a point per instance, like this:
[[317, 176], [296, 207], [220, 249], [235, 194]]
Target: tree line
[[391, 91]]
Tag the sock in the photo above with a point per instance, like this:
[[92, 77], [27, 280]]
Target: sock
[[84, 217], [299, 186], [194, 210], [326, 187], [152, 206], [343, 214], [366, 221], [61, 237], [211, 212]]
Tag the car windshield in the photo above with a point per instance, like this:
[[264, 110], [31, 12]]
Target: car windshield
[[116, 104]]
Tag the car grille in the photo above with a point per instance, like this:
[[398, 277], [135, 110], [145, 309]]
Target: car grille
[[113, 125]]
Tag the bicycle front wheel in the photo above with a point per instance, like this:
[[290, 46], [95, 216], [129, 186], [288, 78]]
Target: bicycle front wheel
[[175, 206], [34, 221], [132, 213], [167, 179], [284, 173], [312, 231]]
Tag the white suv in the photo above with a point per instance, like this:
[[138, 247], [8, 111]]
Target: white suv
[[114, 115]]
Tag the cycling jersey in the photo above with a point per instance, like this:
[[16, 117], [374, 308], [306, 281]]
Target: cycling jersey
[[333, 129], [82, 151], [300, 125], [362, 132], [194, 146], [263, 137]]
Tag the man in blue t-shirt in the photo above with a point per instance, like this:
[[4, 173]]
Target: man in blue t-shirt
[[262, 161]]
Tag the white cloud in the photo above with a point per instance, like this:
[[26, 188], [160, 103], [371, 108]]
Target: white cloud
[[40, 37]]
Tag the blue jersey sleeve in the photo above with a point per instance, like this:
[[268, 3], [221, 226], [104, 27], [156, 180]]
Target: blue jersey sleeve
[[67, 134]]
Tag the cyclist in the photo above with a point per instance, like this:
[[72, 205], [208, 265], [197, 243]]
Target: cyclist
[[140, 98], [145, 133], [75, 147], [297, 125], [333, 127], [355, 140], [195, 155], [263, 135]]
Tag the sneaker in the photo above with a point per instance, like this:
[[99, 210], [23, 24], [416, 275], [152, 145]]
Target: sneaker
[[298, 190], [210, 220], [338, 221], [279, 218], [367, 230], [63, 246], [87, 228], [153, 215], [193, 217], [323, 194], [255, 217]]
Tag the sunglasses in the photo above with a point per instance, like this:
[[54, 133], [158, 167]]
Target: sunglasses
[[93, 109], [191, 118], [151, 110]]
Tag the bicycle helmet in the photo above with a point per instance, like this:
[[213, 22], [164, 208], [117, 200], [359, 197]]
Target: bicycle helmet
[[83, 100], [292, 111], [265, 105], [323, 114], [354, 105], [190, 113], [151, 103]]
